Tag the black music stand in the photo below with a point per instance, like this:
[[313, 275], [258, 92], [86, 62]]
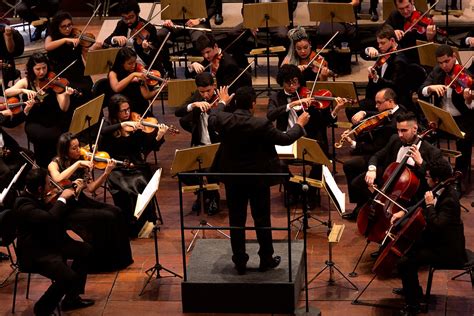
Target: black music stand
[[184, 9], [271, 14], [197, 159], [86, 116], [142, 202]]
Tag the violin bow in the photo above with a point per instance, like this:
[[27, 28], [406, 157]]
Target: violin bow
[[457, 75], [316, 79], [57, 76], [27, 158], [157, 53], [230, 45], [88, 22], [148, 22], [421, 16], [162, 86], [404, 49], [322, 49]]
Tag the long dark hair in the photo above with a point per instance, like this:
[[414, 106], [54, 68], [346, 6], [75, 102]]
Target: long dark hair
[[64, 143], [124, 54], [36, 58], [114, 107], [56, 22]]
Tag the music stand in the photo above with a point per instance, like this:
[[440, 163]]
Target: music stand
[[142, 202], [338, 198], [428, 56], [331, 12], [271, 14], [196, 159], [86, 116], [100, 61], [180, 90], [184, 9], [343, 89]]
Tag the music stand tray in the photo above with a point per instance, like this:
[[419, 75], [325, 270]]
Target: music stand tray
[[100, 61]]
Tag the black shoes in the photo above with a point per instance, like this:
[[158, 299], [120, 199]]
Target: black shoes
[[350, 216], [270, 264], [241, 268], [398, 291], [37, 33], [218, 19], [375, 254], [374, 17], [411, 310], [69, 304]]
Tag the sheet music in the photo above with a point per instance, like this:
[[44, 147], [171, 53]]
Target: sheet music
[[286, 151], [15, 179], [145, 197], [338, 197]]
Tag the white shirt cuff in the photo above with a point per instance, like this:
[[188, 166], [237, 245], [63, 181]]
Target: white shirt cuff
[[425, 92], [61, 199], [189, 108]]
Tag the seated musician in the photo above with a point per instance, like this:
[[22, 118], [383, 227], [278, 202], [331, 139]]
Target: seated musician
[[300, 54], [194, 115], [220, 64], [400, 19], [459, 105], [146, 43], [45, 109], [63, 47], [26, 12], [125, 140], [394, 151], [366, 144], [101, 225], [442, 241], [285, 105], [468, 42], [43, 245], [11, 46]]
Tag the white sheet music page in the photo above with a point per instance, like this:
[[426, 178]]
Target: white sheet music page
[[145, 197], [338, 197]]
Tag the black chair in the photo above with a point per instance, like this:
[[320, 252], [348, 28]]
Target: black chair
[[7, 238], [102, 86], [468, 268]]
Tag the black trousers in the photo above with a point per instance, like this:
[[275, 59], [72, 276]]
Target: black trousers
[[354, 167], [25, 11], [238, 196], [44, 141], [67, 280], [465, 123]]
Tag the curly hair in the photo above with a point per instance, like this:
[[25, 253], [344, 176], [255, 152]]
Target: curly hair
[[288, 72]]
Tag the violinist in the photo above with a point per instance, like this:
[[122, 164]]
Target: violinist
[[146, 43], [124, 139], [365, 144], [194, 115], [125, 78], [45, 109], [468, 42], [459, 105], [101, 225], [401, 19], [285, 106], [220, 64], [300, 54], [394, 151], [442, 241], [63, 48], [44, 246], [11, 46]]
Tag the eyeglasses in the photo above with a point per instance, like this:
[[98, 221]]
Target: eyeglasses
[[128, 17], [293, 82], [65, 27], [125, 110]]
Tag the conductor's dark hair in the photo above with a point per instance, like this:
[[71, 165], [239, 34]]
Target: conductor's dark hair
[[114, 106], [440, 169], [444, 50], [245, 97], [204, 79], [36, 58], [408, 116], [56, 22], [126, 6], [287, 72], [204, 41], [386, 31], [35, 179]]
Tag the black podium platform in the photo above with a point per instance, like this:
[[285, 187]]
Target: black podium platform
[[213, 285]]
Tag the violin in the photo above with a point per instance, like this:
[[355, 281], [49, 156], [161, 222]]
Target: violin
[[13, 104], [101, 159], [141, 34], [86, 39], [58, 85], [153, 76], [151, 123], [320, 99], [319, 62], [215, 63], [419, 22], [459, 79], [366, 125]]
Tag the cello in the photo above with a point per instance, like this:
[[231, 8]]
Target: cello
[[400, 184]]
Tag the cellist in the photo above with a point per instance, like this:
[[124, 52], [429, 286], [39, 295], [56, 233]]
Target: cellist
[[442, 241]]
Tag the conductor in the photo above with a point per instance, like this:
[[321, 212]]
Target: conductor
[[248, 146]]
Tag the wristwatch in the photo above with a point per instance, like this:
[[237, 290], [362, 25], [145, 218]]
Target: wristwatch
[[372, 168]]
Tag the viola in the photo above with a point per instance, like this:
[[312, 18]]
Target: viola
[[400, 185], [101, 159], [151, 123], [12, 104], [459, 79], [419, 23], [86, 39], [366, 125], [58, 85], [153, 76]]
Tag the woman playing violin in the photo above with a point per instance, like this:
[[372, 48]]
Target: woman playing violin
[[102, 225], [300, 54], [124, 140], [63, 48], [45, 110]]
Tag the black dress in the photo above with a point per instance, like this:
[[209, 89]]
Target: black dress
[[133, 92], [101, 225]]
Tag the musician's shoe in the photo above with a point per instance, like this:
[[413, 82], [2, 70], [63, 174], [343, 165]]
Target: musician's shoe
[[375, 254], [374, 17], [4, 256], [350, 216], [401, 292], [213, 206], [266, 265], [410, 310], [37, 33], [69, 304], [241, 268], [218, 19]]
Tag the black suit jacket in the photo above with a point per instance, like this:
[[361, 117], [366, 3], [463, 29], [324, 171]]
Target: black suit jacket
[[248, 143], [437, 76]]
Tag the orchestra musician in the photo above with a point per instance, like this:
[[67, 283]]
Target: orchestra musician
[[11, 45], [248, 146], [459, 105], [25, 11], [124, 140], [146, 43], [194, 115], [102, 225], [394, 151], [300, 54], [45, 109], [44, 246], [442, 241], [468, 42], [365, 144]]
